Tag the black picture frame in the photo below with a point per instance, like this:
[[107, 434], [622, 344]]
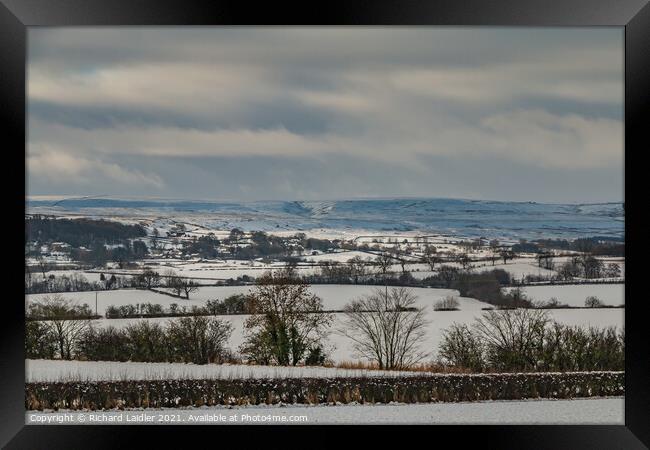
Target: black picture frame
[[633, 15]]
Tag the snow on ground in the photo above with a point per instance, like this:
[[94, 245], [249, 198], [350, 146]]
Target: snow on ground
[[518, 268], [59, 370], [212, 270], [341, 257], [334, 297], [341, 348], [90, 276], [577, 411], [575, 294], [224, 272], [220, 269], [118, 298]]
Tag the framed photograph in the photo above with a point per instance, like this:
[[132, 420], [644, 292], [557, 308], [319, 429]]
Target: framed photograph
[[352, 215]]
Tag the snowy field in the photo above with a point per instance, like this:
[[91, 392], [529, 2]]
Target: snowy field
[[334, 296], [90, 276], [575, 294], [341, 349], [517, 268], [42, 370], [578, 411]]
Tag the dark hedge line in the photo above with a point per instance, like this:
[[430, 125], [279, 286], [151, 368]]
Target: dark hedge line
[[412, 389]]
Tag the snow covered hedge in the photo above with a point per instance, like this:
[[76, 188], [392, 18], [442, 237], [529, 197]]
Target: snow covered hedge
[[430, 388]]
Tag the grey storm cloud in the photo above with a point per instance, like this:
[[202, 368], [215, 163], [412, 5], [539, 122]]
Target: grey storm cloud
[[308, 113]]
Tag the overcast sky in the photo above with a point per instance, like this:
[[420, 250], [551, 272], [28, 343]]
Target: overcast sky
[[524, 114]]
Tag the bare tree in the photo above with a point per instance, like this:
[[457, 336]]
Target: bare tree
[[518, 297], [511, 337], [199, 339], [399, 256], [291, 266], [148, 278], [384, 262], [173, 282], [570, 269], [287, 319], [387, 327], [591, 266], [593, 302], [65, 320], [506, 255], [189, 286], [448, 274], [494, 249], [460, 347], [545, 261], [430, 256], [154, 240], [42, 264], [464, 260], [357, 267], [235, 235]]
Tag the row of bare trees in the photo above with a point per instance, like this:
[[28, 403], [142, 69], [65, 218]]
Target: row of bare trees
[[287, 325], [196, 339], [528, 340], [179, 286]]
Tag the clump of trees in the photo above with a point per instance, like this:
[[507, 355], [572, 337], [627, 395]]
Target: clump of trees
[[287, 324], [259, 244], [51, 283], [551, 303], [596, 246], [205, 246], [528, 340], [593, 302], [54, 327], [586, 266], [545, 261], [80, 232], [234, 304], [57, 307], [449, 303], [487, 287], [87, 239], [197, 339], [430, 257], [137, 310], [262, 245], [386, 327], [98, 254], [40, 340], [523, 246], [147, 279], [179, 286]]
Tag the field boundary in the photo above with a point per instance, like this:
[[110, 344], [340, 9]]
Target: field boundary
[[101, 395]]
